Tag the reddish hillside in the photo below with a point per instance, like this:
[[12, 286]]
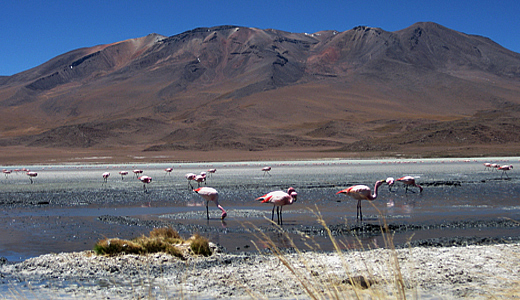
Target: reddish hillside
[[238, 88]]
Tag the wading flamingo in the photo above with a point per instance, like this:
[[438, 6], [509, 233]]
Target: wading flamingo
[[390, 181], [504, 169], [145, 180], [279, 199], [210, 194], [105, 177], [31, 175], [200, 178], [7, 172], [190, 177], [137, 172], [123, 174], [168, 171], [212, 171], [487, 166], [409, 181], [361, 192], [266, 170]]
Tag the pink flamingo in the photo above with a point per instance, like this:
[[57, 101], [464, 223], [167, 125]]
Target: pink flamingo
[[190, 177], [361, 192], [494, 166], [137, 172], [145, 180], [409, 181], [504, 169], [266, 170], [7, 172], [390, 181], [123, 174], [168, 171], [31, 175], [105, 177], [279, 199], [200, 178], [487, 166], [210, 194], [212, 171]]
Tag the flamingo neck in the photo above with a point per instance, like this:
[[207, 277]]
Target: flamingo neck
[[376, 187]]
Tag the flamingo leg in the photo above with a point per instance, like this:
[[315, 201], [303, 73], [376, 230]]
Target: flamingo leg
[[359, 213], [281, 219], [207, 210], [272, 214]]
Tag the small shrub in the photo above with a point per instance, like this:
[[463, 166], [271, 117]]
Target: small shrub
[[165, 232], [164, 240], [116, 246], [200, 245]]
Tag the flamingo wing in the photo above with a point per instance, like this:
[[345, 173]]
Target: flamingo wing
[[358, 192], [407, 179], [276, 197], [208, 193]]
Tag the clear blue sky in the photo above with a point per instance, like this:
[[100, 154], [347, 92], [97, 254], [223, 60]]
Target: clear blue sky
[[32, 32]]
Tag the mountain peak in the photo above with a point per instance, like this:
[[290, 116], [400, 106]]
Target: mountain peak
[[252, 89]]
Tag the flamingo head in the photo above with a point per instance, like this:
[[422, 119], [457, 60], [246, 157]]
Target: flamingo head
[[380, 182], [390, 181], [294, 196], [345, 191]]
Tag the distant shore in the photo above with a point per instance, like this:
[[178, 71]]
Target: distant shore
[[20, 155]]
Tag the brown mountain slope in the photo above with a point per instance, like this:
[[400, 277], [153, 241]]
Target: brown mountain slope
[[238, 88]]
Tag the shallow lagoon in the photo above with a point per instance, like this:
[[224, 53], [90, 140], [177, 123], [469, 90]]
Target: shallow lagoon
[[68, 208]]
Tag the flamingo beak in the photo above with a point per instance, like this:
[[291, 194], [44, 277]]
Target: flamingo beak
[[341, 192]]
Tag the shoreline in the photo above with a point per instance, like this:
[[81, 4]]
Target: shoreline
[[21, 155], [479, 272]]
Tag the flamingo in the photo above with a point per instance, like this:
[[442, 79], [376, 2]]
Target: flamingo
[[105, 177], [137, 172], [7, 172], [361, 192], [190, 177], [210, 194], [168, 171], [408, 181], [31, 175], [145, 180], [123, 174], [279, 199], [390, 181], [212, 171], [200, 178], [494, 166], [266, 170], [504, 169], [487, 166]]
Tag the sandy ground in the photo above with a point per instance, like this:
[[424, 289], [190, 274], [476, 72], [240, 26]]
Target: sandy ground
[[472, 272]]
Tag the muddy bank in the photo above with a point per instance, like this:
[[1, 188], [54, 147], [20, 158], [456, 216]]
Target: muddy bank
[[476, 272]]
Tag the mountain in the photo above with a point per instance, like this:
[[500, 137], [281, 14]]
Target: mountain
[[247, 89]]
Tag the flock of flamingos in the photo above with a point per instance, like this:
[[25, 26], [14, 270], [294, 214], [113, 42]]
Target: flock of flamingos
[[277, 198]]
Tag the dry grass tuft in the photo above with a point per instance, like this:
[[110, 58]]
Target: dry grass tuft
[[164, 240], [200, 245]]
